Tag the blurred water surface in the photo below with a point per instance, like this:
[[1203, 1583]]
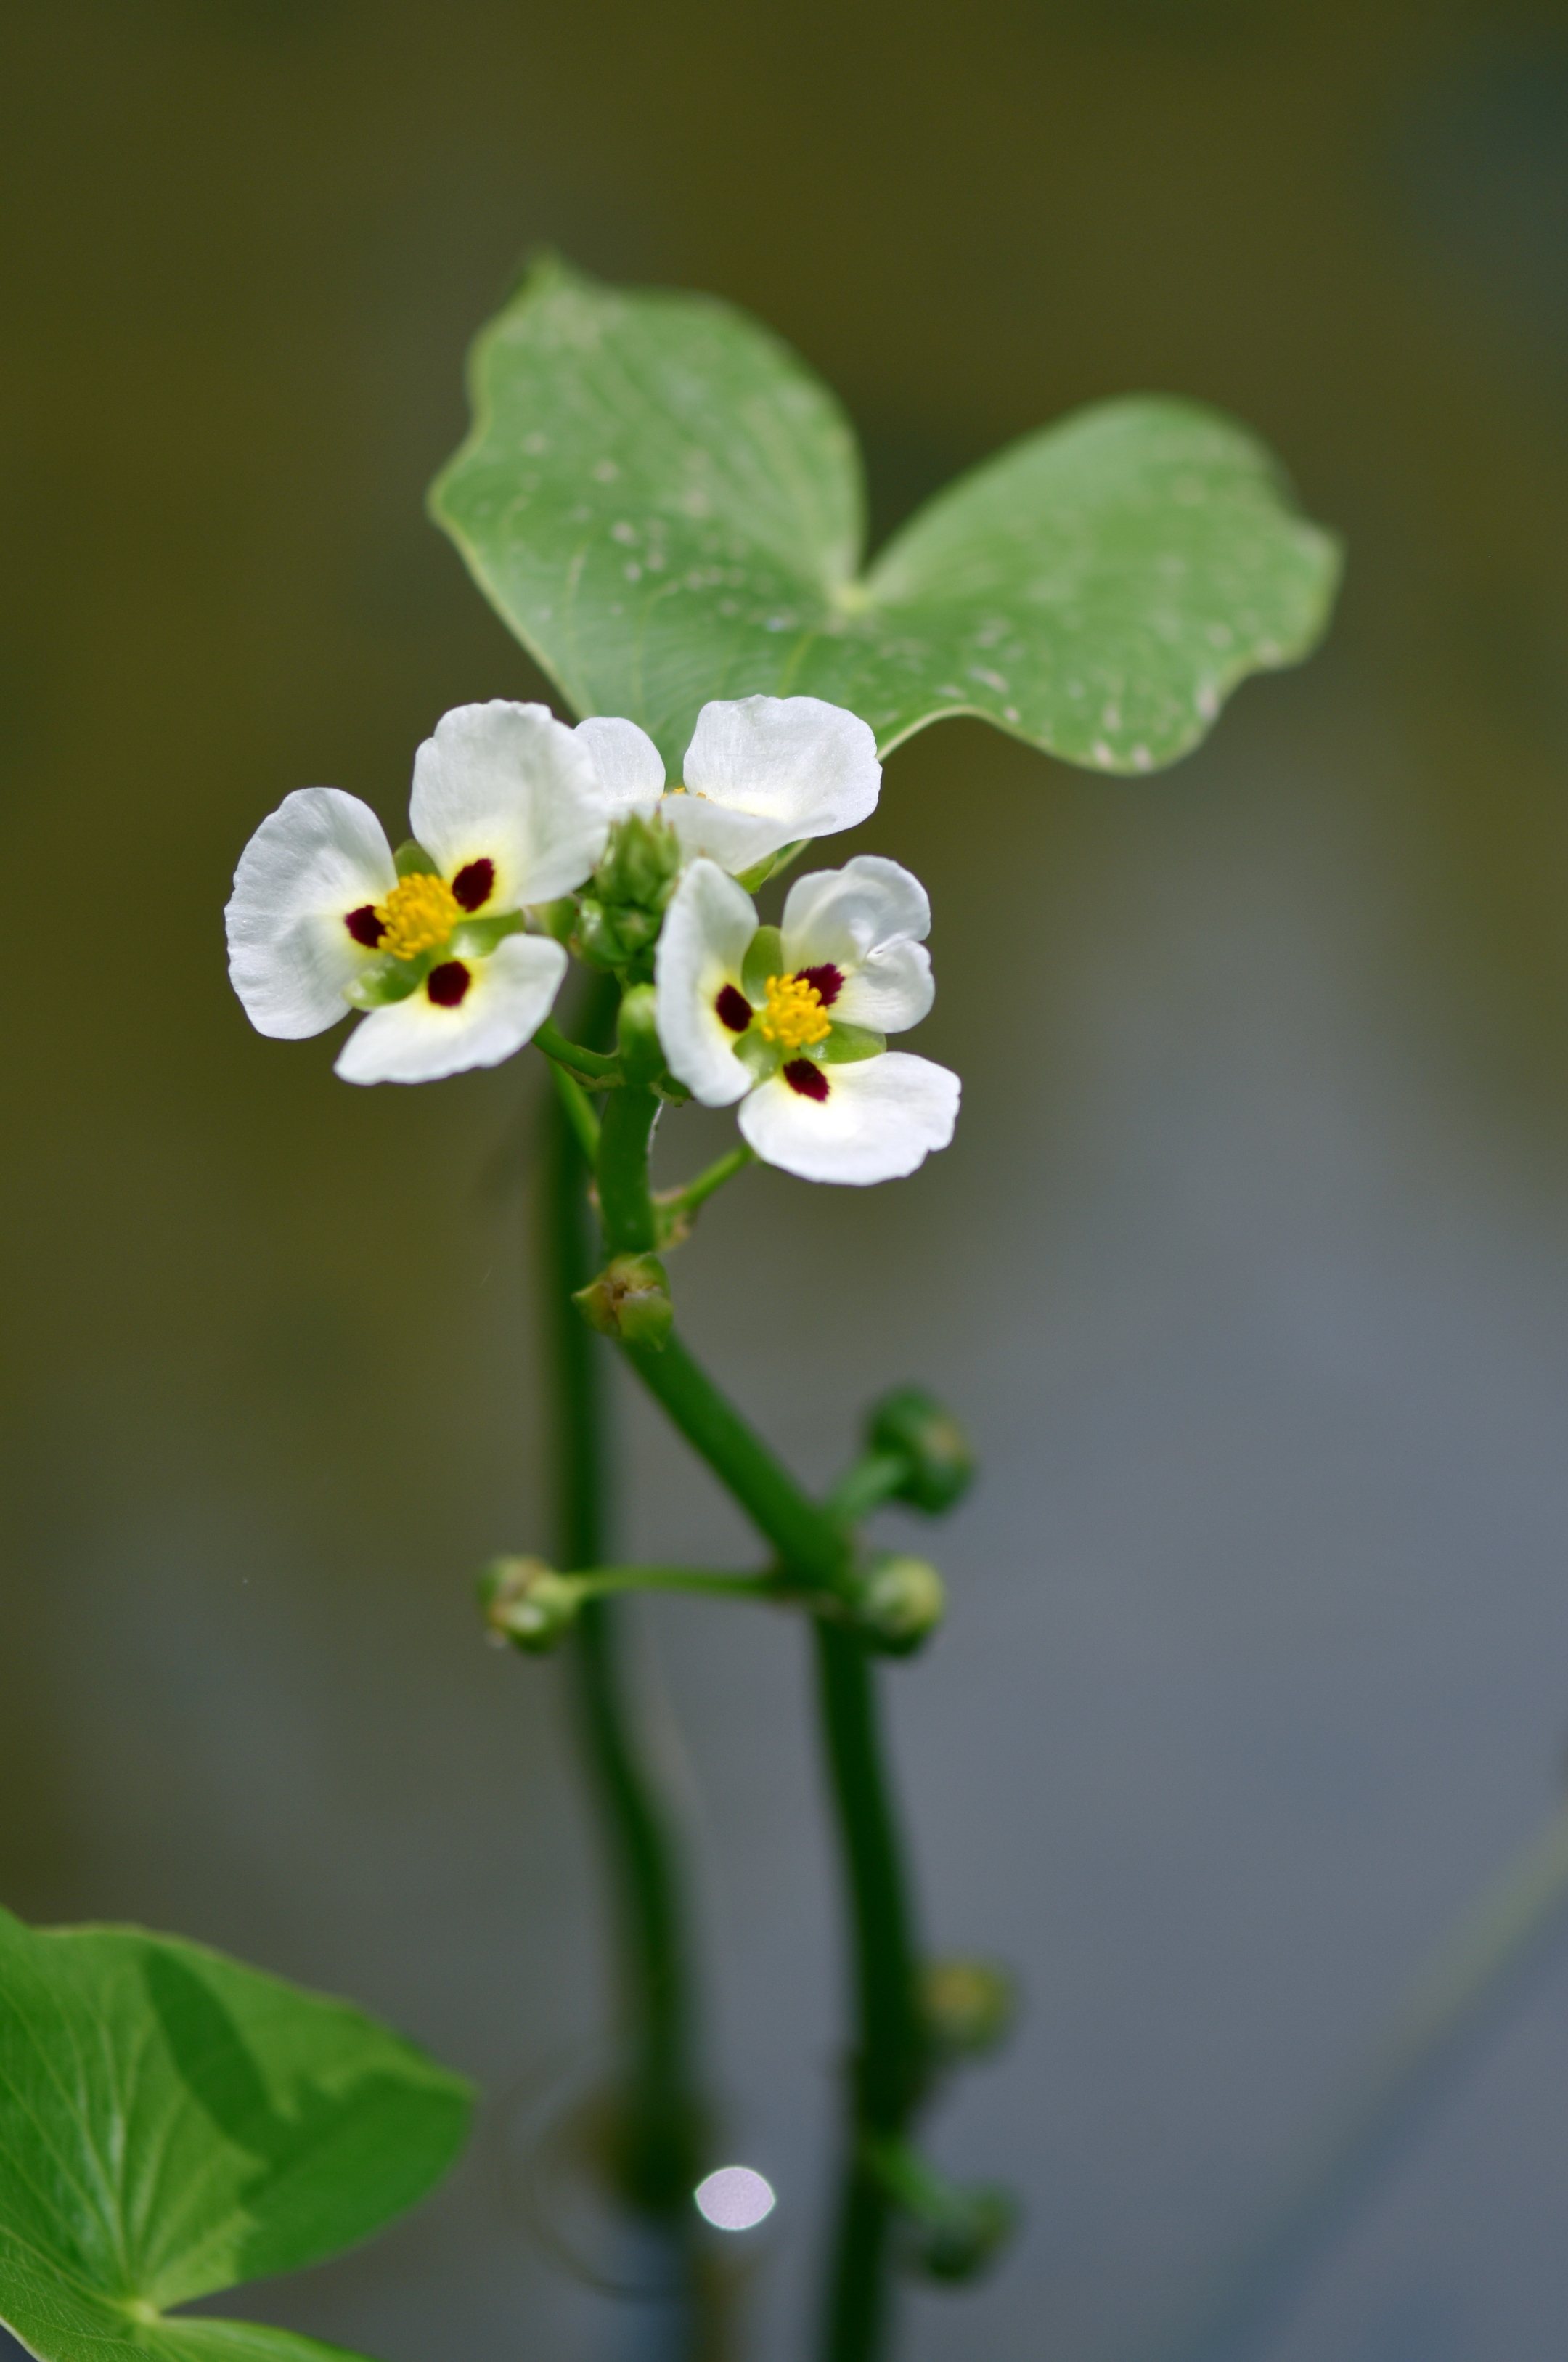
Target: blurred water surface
[[1249, 1266]]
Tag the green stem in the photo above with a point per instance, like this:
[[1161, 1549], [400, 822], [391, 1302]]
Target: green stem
[[660, 2114], [808, 1543], [626, 1201], [889, 2061], [873, 1480], [598, 1582], [579, 1109], [595, 1064], [674, 1203]]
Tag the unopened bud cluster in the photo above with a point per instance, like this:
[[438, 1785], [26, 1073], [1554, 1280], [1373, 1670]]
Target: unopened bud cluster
[[622, 908]]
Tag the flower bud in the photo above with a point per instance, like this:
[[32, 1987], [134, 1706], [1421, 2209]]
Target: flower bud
[[968, 2007], [898, 1603], [596, 937], [962, 2241], [640, 865], [940, 1459], [630, 1299], [526, 1603]]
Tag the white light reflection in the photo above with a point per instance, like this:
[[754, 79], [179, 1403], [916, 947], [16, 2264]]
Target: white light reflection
[[734, 2199]]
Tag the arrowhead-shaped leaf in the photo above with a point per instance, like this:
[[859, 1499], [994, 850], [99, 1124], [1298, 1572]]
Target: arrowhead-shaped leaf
[[666, 506], [172, 2122]]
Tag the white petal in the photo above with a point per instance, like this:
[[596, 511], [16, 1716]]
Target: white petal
[[630, 767], [893, 992], [414, 1040], [735, 840], [512, 785], [706, 932], [318, 856], [867, 919], [806, 766], [881, 1117]]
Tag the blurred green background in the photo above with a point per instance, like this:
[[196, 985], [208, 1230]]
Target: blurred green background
[[1249, 1267]]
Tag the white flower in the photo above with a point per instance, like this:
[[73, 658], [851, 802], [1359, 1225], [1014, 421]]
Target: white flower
[[761, 773], [508, 806], [791, 1020]]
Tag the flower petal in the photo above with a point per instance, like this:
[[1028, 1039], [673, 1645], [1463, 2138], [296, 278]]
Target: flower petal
[[511, 785], [735, 840], [707, 929], [508, 997], [320, 856], [806, 766], [867, 919], [879, 1120], [630, 767]]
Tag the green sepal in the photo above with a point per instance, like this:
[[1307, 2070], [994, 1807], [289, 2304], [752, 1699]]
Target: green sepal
[[477, 938], [846, 1044], [411, 860], [764, 957], [761, 1059], [555, 918], [383, 981], [595, 938], [761, 871]]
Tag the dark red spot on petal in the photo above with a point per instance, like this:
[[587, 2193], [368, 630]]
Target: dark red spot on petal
[[809, 1079], [734, 1009], [474, 884], [364, 926], [828, 979], [447, 984]]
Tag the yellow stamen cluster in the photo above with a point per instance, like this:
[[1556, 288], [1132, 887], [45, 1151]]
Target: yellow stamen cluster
[[419, 913], [793, 1016]]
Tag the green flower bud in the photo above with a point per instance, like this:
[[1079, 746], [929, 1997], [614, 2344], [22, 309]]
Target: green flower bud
[[968, 2007], [596, 937], [940, 1456], [898, 1603], [526, 1603], [966, 2236], [630, 1299], [640, 865]]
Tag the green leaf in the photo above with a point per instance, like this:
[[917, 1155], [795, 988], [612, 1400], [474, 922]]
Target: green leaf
[[172, 2122], [666, 506]]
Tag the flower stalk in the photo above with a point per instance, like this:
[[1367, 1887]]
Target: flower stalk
[[660, 2114]]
